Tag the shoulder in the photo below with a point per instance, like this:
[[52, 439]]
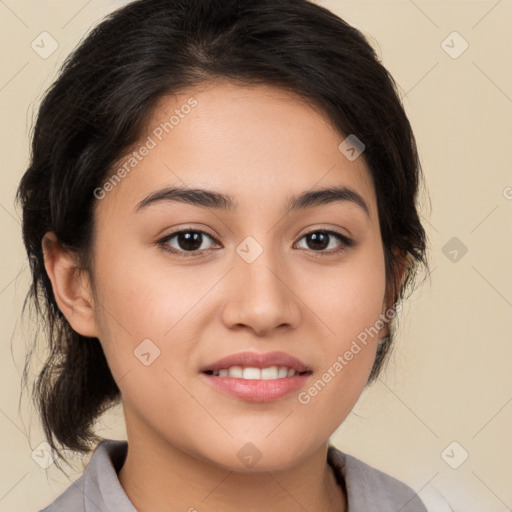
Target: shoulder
[[71, 500], [368, 488], [98, 488]]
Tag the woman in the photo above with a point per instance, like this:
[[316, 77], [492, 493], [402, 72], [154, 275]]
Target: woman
[[220, 214]]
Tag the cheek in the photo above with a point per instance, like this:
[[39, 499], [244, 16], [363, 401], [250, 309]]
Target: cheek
[[130, 304], [143, 299], [348, 303], [347, 298], [141, 295]]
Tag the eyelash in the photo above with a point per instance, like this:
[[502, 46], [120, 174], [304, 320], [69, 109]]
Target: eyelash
[[346, 243]]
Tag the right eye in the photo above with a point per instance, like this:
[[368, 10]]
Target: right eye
[[185, 241]]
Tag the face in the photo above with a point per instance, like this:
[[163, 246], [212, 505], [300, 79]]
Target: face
[[181, 285]]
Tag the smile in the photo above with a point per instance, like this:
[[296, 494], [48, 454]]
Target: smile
[[251, 373]]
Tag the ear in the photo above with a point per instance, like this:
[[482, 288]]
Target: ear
[[71, 286]]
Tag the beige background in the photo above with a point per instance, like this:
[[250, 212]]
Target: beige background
[[449, 378]]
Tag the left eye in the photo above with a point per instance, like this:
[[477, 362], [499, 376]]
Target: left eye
[[320, 240], [191, 242]]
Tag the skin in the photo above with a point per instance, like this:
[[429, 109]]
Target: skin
[[260, 145]]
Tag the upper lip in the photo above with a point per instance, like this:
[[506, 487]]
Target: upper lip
[[257, 360]]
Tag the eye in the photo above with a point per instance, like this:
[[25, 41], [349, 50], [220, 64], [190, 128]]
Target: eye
[[185, 241], [320, 240], [190, 242]]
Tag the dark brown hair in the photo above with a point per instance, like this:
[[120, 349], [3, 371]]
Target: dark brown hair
[[97, 109]]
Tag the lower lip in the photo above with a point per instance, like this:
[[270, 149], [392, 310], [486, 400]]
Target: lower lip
[[258, 390]]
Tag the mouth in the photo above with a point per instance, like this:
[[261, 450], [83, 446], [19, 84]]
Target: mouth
[[252, 373], [256, 377]]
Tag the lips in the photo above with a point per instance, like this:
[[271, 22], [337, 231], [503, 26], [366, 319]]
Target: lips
[[255, 377], [257, 360]]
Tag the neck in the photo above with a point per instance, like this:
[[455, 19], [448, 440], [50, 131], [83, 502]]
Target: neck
[[159, 476]]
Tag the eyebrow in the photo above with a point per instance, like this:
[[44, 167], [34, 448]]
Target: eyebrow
[[211, 199]]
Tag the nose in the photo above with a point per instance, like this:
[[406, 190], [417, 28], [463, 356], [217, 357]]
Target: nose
[[261, 295]]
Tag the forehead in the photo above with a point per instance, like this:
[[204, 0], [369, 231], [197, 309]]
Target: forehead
[[255, 143]]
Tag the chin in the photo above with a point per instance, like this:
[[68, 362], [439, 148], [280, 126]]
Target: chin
[[253, 456]]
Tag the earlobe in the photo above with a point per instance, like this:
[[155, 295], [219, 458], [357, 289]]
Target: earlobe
[[71, 286]]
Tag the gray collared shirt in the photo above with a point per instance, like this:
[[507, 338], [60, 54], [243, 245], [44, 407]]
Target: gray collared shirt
[[99, 490]]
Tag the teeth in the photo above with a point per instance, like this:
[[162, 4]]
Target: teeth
[[249, 373], [269, 373], [252, 373], [236, 371]]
